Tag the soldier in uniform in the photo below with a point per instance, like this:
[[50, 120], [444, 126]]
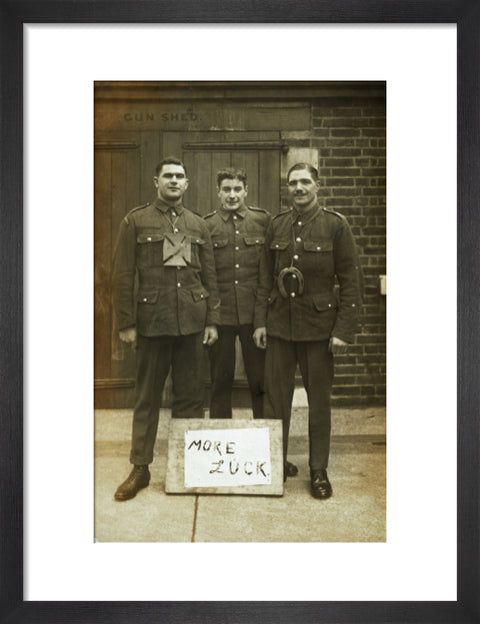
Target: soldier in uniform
[[306, 249], [238, 234], [167, 305]]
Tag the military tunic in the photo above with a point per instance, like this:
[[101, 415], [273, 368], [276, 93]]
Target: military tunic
[[169, 305], [237, 237], [302, 311], [320, 244], [171, 300]]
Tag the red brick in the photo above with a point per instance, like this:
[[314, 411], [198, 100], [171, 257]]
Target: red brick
[[338, 162], [341, 132], [353, 151], [374, 112], [340, 141], [340, 182], [377, 151], [374, 191], [345, 171], [363, 143], [344, 192], [373, 171], [376, 122], [373, 132], [340, 201]]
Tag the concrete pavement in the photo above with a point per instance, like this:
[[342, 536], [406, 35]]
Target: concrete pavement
[[355, 513]]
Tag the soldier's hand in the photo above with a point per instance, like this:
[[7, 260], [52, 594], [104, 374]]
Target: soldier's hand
[[128, 335], [260, 337], [211, 335], [337, 346]]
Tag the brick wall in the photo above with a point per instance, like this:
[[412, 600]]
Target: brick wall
[[349, 135]]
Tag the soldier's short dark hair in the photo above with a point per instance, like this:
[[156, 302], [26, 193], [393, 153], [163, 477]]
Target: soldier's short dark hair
[[299, 166], [230, 173], [170, 160]]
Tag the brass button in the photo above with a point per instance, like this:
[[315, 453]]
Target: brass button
[[299, 240], [179, 284], [295, 257], [292, 294]]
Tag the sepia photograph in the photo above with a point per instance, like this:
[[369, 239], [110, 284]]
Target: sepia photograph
[[240, 311], [200, 427]]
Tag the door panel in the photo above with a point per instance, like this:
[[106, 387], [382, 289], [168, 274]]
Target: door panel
[[102, 253], [117, 190], [269, 189], [248, 161]]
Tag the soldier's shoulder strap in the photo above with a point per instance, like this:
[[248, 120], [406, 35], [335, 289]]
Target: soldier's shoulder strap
[[194, 212], [333, 212], [133, 210], [256, 209], [210, 214], [283, 213]]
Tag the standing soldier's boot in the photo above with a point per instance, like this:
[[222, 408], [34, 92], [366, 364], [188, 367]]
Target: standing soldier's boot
[[138, 478]]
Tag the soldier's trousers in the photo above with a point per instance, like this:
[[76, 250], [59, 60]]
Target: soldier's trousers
[[222, 368], [316, 367], [155, 356]]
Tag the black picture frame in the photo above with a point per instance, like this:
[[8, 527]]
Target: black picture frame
[[14, 13]]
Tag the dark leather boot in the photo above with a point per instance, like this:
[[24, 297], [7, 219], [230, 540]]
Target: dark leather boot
[[289, 470], [320, 485], [136, 480]]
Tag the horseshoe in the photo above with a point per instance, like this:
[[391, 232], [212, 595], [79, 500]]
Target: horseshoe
[[291, 271]]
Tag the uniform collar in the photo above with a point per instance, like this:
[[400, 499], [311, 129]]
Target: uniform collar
[[305, 216], [164, 207], [241, 212]]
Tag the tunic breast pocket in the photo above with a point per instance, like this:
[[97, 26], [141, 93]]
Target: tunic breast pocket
[[149, 249], [280, 245], [319, 255], [197, 243], [219, 243], [253, 246], [253, 240]]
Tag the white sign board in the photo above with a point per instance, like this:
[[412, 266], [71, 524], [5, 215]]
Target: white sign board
[[227, 457]]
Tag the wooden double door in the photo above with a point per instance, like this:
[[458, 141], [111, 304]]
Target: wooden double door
[[124, 170]]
